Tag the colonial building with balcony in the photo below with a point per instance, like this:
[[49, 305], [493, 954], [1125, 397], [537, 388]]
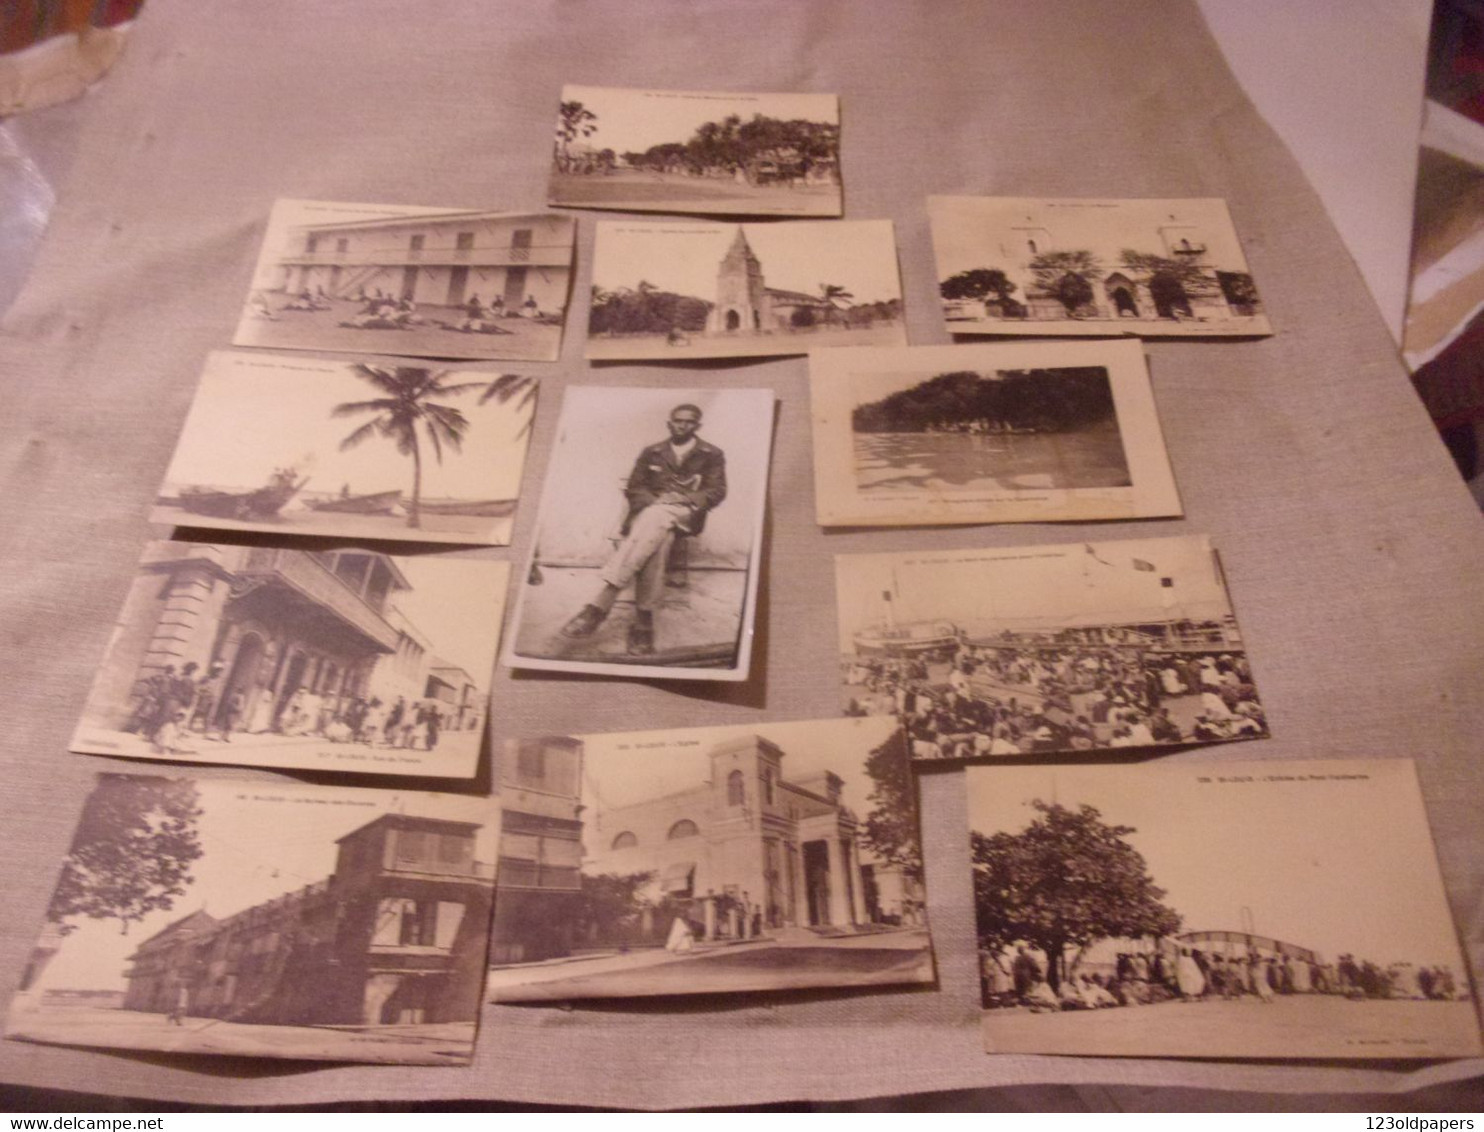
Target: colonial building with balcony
[[274, 620], [395, 936], [540, 880], [456, 694], [402, 673], [448, 259]]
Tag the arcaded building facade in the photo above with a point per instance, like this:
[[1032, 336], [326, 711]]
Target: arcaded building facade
[[276, 620], [395, 936], [446, 260]]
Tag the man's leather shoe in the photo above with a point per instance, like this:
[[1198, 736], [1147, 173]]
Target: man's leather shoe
[[641, 638], [586, 623]]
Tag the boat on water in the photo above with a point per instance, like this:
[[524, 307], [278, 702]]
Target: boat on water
[[372, 503], [906, 638], [264, 503], [483, 508]]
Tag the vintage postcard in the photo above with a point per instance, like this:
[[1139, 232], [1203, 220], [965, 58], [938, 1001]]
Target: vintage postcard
[[422, 282], [1220, 909], [670, 291], [717, 860], [649, 537], [697, 151], [1013, 432], [1080, 648], [347, 660], [266, 919], [304, 446], [1094, 268]]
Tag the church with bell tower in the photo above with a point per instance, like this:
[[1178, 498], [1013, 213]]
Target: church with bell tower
[[745, 304], [741, 296]]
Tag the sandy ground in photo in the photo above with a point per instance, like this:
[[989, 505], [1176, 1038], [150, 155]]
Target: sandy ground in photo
[[731, 345], [1238, 326], [457, 749], [527, 340], [870, 959], [706, 613], [676, 192], [1291, 1026], [449, 1043]]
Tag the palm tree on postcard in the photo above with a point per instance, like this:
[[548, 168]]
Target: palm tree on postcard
[[410, 408]]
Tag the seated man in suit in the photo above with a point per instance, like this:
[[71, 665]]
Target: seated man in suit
[[673, 486]]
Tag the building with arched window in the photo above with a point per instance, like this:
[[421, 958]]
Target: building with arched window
[[395, 935], [749, 848], [1143, 264], [251, 628], [746, 304]]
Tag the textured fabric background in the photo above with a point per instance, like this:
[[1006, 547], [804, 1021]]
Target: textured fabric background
[[1351, 547]]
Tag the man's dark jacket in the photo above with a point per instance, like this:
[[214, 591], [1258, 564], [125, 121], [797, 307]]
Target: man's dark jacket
[[700, 479]]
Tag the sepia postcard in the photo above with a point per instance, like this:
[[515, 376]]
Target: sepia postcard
[[1093, 268], [670, 291], [697, 151], [304, 446], [716, 860], [1042, 650], [649, 536], [1279, 909], [345, 660], [1015, 432], [266, 919], [421, 282]]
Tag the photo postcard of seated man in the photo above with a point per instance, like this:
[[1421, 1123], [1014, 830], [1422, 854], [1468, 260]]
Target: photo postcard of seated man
[[713, 860], [359, 450], [673, 290], [987, 433], [419, 282], [254, 919], [649, 536], [704, 152], [342, 659], [1042, 651], [1272, 909], [1015, 266]]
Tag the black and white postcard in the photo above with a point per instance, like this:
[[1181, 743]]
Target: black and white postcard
[[1041, 650], [424, 282], [266, 919], [670, 291], [304, 446], [697, 151], [717, 860], [346, 660], [994, 433], [1273, 909], [648, 541], [1093, 268]]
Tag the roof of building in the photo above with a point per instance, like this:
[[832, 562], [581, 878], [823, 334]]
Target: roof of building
[[414, 821], [207, 922], [798, 297], [437, 218]]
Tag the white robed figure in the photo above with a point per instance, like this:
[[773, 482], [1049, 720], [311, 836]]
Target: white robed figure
[[1263, 976], [681, 937], [1188, 975]]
